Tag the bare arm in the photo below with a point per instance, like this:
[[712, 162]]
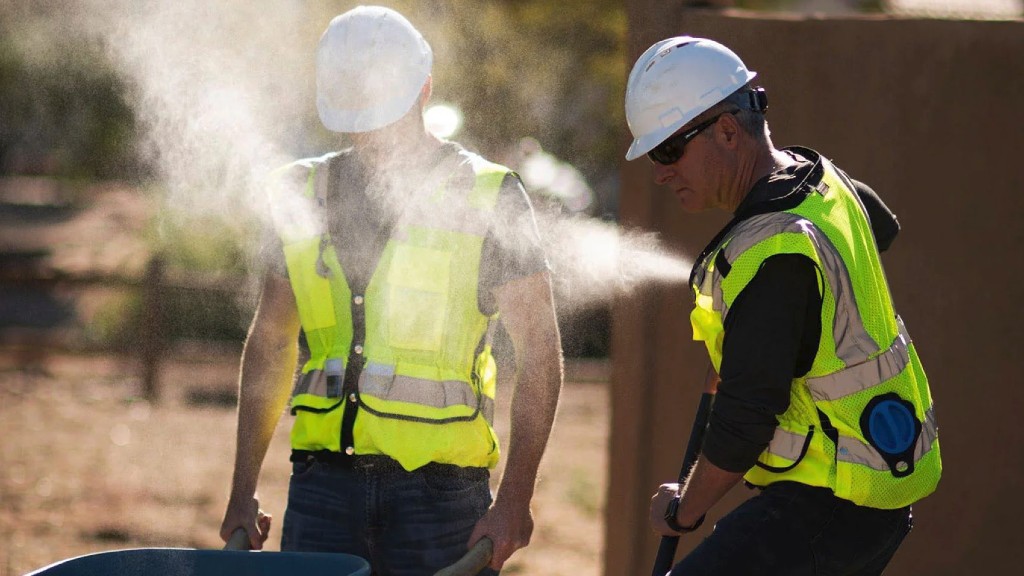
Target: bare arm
[[267, 371], [527, 310], [706, 485]]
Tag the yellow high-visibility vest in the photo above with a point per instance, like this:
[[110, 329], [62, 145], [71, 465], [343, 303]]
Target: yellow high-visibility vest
[[427, 386], [861, 421]]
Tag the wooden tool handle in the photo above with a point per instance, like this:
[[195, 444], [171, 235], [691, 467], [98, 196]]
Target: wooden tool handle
[[474, 561], [239, 540], [667, 547]]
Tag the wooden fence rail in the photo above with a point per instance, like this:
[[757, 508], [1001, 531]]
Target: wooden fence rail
[[149, 330]]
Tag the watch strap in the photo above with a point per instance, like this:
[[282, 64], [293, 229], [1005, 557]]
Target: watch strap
[[670, 517]]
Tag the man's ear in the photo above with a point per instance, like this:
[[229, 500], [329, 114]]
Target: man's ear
[[728, 129], [426, 91]]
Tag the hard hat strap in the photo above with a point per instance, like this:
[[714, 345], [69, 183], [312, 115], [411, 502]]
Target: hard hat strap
[[755, 100]]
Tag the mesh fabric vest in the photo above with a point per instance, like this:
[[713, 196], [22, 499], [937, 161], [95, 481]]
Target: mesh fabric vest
[[860, 421], [426, 377]]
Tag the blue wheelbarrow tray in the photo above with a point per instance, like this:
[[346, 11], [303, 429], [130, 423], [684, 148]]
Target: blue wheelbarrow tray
[[191, 562]]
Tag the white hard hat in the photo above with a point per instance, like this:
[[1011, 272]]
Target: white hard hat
[[673, 82], [371, 65]]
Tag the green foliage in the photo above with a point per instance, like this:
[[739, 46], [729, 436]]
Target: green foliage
[[583, 493], [872, 5], [191, 315], [553, 71], [63, 115], [185, 315], [778, 5], [766, 5], [111, 323], [202, 244]]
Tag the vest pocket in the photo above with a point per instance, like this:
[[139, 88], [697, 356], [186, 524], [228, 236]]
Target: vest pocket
[[317, 423], [312, 291], [418, 281]]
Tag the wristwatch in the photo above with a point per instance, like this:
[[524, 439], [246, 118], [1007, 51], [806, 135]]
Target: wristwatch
[[670, 517]]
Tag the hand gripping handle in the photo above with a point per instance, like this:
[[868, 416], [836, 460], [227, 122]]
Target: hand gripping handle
[[239, 540], [474, 561], [667, 548]]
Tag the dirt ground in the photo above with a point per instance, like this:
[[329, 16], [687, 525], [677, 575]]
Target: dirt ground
[[87, 466]]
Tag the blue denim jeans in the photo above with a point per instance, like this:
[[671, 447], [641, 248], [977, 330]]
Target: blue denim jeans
[[796, 530], [403, 523]]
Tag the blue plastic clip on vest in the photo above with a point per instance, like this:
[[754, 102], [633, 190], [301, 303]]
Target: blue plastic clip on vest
[[890, 426]]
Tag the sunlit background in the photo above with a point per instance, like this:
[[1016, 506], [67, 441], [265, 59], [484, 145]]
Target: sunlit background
[[135, 137]]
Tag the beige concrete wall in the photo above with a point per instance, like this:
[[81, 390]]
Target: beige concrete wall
[[930, 114]]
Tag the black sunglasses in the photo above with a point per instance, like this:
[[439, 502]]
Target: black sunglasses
[[671, 150]]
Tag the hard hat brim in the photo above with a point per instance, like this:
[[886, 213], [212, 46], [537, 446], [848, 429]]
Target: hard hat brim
[[647, 142]]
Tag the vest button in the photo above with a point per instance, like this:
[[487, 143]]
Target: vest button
[[350, 450], [358, 300], [358, 348], [352, 397]]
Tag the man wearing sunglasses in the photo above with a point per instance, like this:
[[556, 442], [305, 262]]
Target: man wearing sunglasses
[[397, 253], [822, 403]]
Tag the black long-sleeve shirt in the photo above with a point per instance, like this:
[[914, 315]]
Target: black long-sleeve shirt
[[772, 333]]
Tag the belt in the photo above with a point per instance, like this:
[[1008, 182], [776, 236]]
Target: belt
[[382, 463]]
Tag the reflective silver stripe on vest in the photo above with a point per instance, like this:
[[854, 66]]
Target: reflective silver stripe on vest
[[321, 179], [853, 343], [853, 379], [381, 381], [787, 444], [314, 382], [854, 451], [712, 286]]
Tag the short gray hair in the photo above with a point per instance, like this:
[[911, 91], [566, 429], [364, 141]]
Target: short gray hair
[[751, 121]]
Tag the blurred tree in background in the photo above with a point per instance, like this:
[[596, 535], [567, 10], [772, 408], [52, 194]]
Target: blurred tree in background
[[62, 110], [547, 70]]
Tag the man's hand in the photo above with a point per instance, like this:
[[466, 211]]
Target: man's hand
[[659, 504], [508, 526], [249, 517]]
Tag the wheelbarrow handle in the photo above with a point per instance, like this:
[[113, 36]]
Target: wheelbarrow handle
[[474, 561], [239, 540]]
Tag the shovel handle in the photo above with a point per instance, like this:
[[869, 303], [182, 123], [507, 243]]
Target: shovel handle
[[474, 561], [239, 540], [667, 548]]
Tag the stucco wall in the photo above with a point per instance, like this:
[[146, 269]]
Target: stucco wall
[[930, 114]]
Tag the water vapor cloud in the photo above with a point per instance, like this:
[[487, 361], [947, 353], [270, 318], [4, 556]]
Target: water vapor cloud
[[223, 92]]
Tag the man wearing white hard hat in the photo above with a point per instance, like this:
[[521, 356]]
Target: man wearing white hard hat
[[395, 273], [822, 404]]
